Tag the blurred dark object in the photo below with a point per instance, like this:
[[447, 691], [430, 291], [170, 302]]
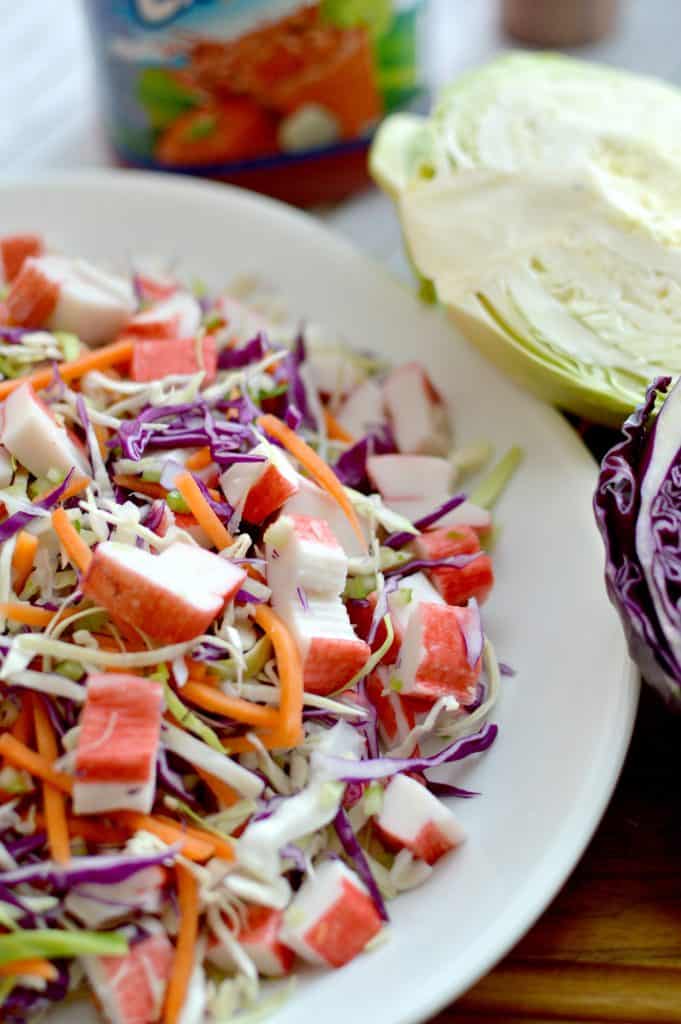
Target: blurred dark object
[[559, 22]]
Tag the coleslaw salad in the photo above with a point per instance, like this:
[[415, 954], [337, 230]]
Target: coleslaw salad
[[241, 624]]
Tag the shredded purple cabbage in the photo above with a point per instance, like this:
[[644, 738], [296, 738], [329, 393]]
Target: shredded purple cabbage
[[293, 417], [288, 371], [191, 425], [398, 540], [351, 467], [154, 515], [13, 335], [444, 789], [381, 608], [19, 520], [243, 406], [19, 848], [172, 782], [450, 562], [84, 418], [383, 767], [246, 597], [103, 870], [56, 389], [250, 352], [355, 853], [432, 517], [25, 1003], [479, 698], [232, 457], [223, 510]]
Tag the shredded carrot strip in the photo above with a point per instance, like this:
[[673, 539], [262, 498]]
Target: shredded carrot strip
[[35, 968], [335, 431], [136, 483], [29, 615], [74, 545], [224, 793], [109, 355], [76, 486], [210, 699], [23, 558], [197, 670], [221, 847], [102, 435], [21, 756], [53, 799], [290, 675], [22, 729], [91, 830], [193, 848], [197, 845], [200, 459], [201, 510], [185, 949], [315, 466], [242, 745]]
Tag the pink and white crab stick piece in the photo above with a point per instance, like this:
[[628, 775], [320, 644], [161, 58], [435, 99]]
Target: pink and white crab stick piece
[[260, 488], [412, 485], [311, 500], [433, 660], [332, 917], [172, 597], [154, 359], [417, 413], [303, 552], [14, 250], [411, 818], [362, 409], [401, 605], [260, 938], [70, 295], [178, 316], [396, 714], [331, 652], [306, 571], [415, 485], [130, 989], [457, 585], [31, 434], [117, 744]]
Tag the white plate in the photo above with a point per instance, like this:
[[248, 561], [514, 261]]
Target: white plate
[[565, 718]]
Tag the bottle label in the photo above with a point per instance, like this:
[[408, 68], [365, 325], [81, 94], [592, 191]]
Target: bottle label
[[214, 85]]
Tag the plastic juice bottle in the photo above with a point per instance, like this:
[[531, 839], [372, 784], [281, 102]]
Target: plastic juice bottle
[[281, 96]]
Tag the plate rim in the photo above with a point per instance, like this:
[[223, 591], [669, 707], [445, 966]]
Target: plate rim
[[555, 873]]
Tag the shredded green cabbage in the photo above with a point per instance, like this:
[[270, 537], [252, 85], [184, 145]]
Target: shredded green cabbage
[[47, 942]]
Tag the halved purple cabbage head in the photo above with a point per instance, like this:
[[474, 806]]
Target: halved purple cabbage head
[[638, 510]]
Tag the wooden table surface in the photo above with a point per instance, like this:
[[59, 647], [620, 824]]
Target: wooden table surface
[[609, 946]]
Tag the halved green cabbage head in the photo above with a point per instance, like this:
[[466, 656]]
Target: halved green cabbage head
[[543, 200]]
